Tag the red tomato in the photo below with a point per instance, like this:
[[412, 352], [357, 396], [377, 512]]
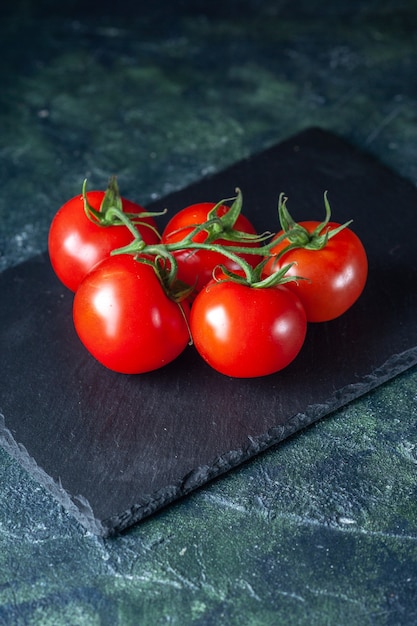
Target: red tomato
[[244, 331], [195, 267], [125, 319], [335, 275], [76, 244]]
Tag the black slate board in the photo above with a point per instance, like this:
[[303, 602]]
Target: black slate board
[[114, 449]]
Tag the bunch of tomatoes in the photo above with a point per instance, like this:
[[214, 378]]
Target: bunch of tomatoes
[[243, 299]]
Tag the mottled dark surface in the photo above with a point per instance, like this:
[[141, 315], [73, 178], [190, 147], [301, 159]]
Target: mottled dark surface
[[323, 529]]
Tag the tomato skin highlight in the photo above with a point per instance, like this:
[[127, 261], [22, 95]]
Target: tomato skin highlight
[[76, 244], [195, 267], [125, 319], [246, 332], [334, 276]]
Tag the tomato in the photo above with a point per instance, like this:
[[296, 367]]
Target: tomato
[[76, 244], [195, 267], [334, 276], [125, 319], [244, 331]]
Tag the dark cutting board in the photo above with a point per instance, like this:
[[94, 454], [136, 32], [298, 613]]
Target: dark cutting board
[[113, 448]]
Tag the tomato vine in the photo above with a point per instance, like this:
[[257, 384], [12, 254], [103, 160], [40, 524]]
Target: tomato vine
[[242, 297]]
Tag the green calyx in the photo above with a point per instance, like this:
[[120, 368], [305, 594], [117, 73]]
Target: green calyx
[[165, 267], [300, 237], [223, 226], [111, 211], [255, 279]]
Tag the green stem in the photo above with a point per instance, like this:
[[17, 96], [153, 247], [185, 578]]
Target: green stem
[[125, 220], [224, 250]]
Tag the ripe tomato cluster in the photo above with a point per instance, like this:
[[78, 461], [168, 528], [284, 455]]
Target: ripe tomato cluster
[[243, 299]]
